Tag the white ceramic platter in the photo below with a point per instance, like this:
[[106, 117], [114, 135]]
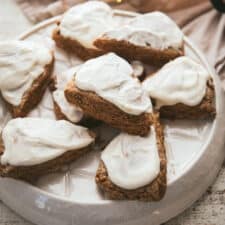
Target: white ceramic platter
[[194, 151]]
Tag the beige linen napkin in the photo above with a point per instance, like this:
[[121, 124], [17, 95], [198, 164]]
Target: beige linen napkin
[[197, 18], [206, 27]]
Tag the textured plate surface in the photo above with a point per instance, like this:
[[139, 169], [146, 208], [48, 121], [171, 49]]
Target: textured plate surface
[[190, 153]]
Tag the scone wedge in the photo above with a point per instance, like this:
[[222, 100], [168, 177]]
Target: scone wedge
[[105, 89], [102, 110], [25, 74], [152, 38], [32, 147], [204, 110], [73, 46], [33, 96], [182, 89], [129, 175], [131, 52], [80, 26]]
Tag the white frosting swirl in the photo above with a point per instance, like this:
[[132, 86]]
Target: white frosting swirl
[[110, 77], [132, 161], [72, 113], [31, 141], [179, 81], [21, 62], [154, 30], [85, 22]]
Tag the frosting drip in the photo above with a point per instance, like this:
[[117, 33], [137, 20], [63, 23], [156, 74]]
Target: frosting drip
[[72, 113], [86, 22], [21, 62], [132, 161], [154, 30], [180, 81], [110, 77], [31, 141]]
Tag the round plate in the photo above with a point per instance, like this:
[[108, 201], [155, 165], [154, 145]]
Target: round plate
[[71, 196]]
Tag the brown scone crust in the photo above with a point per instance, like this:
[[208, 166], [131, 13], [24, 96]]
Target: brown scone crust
[[31, 173], [130, 51], [100, 109], [33, 96], [151, 192], [204, 110], [75, 47]]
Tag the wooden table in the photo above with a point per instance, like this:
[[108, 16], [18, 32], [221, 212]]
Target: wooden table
[[209, 210]]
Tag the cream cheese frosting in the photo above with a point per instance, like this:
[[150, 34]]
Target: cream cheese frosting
[[72, 113], [31, 141], [85, 22], [155, 30], [179, 81], [110, 77], [132, 161], [21, 62]]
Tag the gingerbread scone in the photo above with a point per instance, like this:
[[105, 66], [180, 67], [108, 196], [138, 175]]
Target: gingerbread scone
[[32, 147], [105, 89], [134, 167], [81, 25], [25, 70], [152, 38], [182, 89]]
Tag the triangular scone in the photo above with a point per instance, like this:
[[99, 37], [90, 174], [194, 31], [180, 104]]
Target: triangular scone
[[152, 38], [105, 89], [81, 25], [25, 69], [134, 167], [182, 89], [32, 147]]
